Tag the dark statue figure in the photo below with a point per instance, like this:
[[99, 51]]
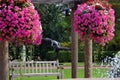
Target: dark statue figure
[[56, 45]]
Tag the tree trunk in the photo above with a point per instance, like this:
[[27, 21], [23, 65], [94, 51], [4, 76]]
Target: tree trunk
[[3, 60], [88, 58], [74, 52]]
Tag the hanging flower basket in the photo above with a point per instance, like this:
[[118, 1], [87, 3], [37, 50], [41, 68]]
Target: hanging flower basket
[[95, 20], [19, 22]]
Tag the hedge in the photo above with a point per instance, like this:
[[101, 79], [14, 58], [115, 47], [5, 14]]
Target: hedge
[[64, 56]]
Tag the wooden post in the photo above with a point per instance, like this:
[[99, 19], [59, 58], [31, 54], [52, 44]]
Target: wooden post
[[74, 54], [74, 42], [88, 58], [3, 60], [74, 49]]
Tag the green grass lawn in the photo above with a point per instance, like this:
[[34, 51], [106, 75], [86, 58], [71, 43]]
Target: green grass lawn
[[97, 73], [69, 64], [80, 64]]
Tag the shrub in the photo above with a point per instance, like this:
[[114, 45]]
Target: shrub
[[64, 56]]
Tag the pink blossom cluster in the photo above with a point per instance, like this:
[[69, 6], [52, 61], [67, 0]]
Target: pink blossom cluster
[[94, 21], [20, 25]]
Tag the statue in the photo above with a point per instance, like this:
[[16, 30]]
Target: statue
[[56, 45]]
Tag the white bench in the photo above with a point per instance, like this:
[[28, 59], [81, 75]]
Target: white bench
[[35, 68]]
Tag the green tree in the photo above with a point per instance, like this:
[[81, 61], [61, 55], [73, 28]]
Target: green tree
[[54, 27]]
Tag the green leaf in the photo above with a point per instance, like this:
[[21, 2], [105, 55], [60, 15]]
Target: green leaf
[[118, 19]]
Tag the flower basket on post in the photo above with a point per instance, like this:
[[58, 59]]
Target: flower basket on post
[[94, 21], [19, 24]]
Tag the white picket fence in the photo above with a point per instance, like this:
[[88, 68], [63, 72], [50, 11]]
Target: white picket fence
[[35, 68]]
